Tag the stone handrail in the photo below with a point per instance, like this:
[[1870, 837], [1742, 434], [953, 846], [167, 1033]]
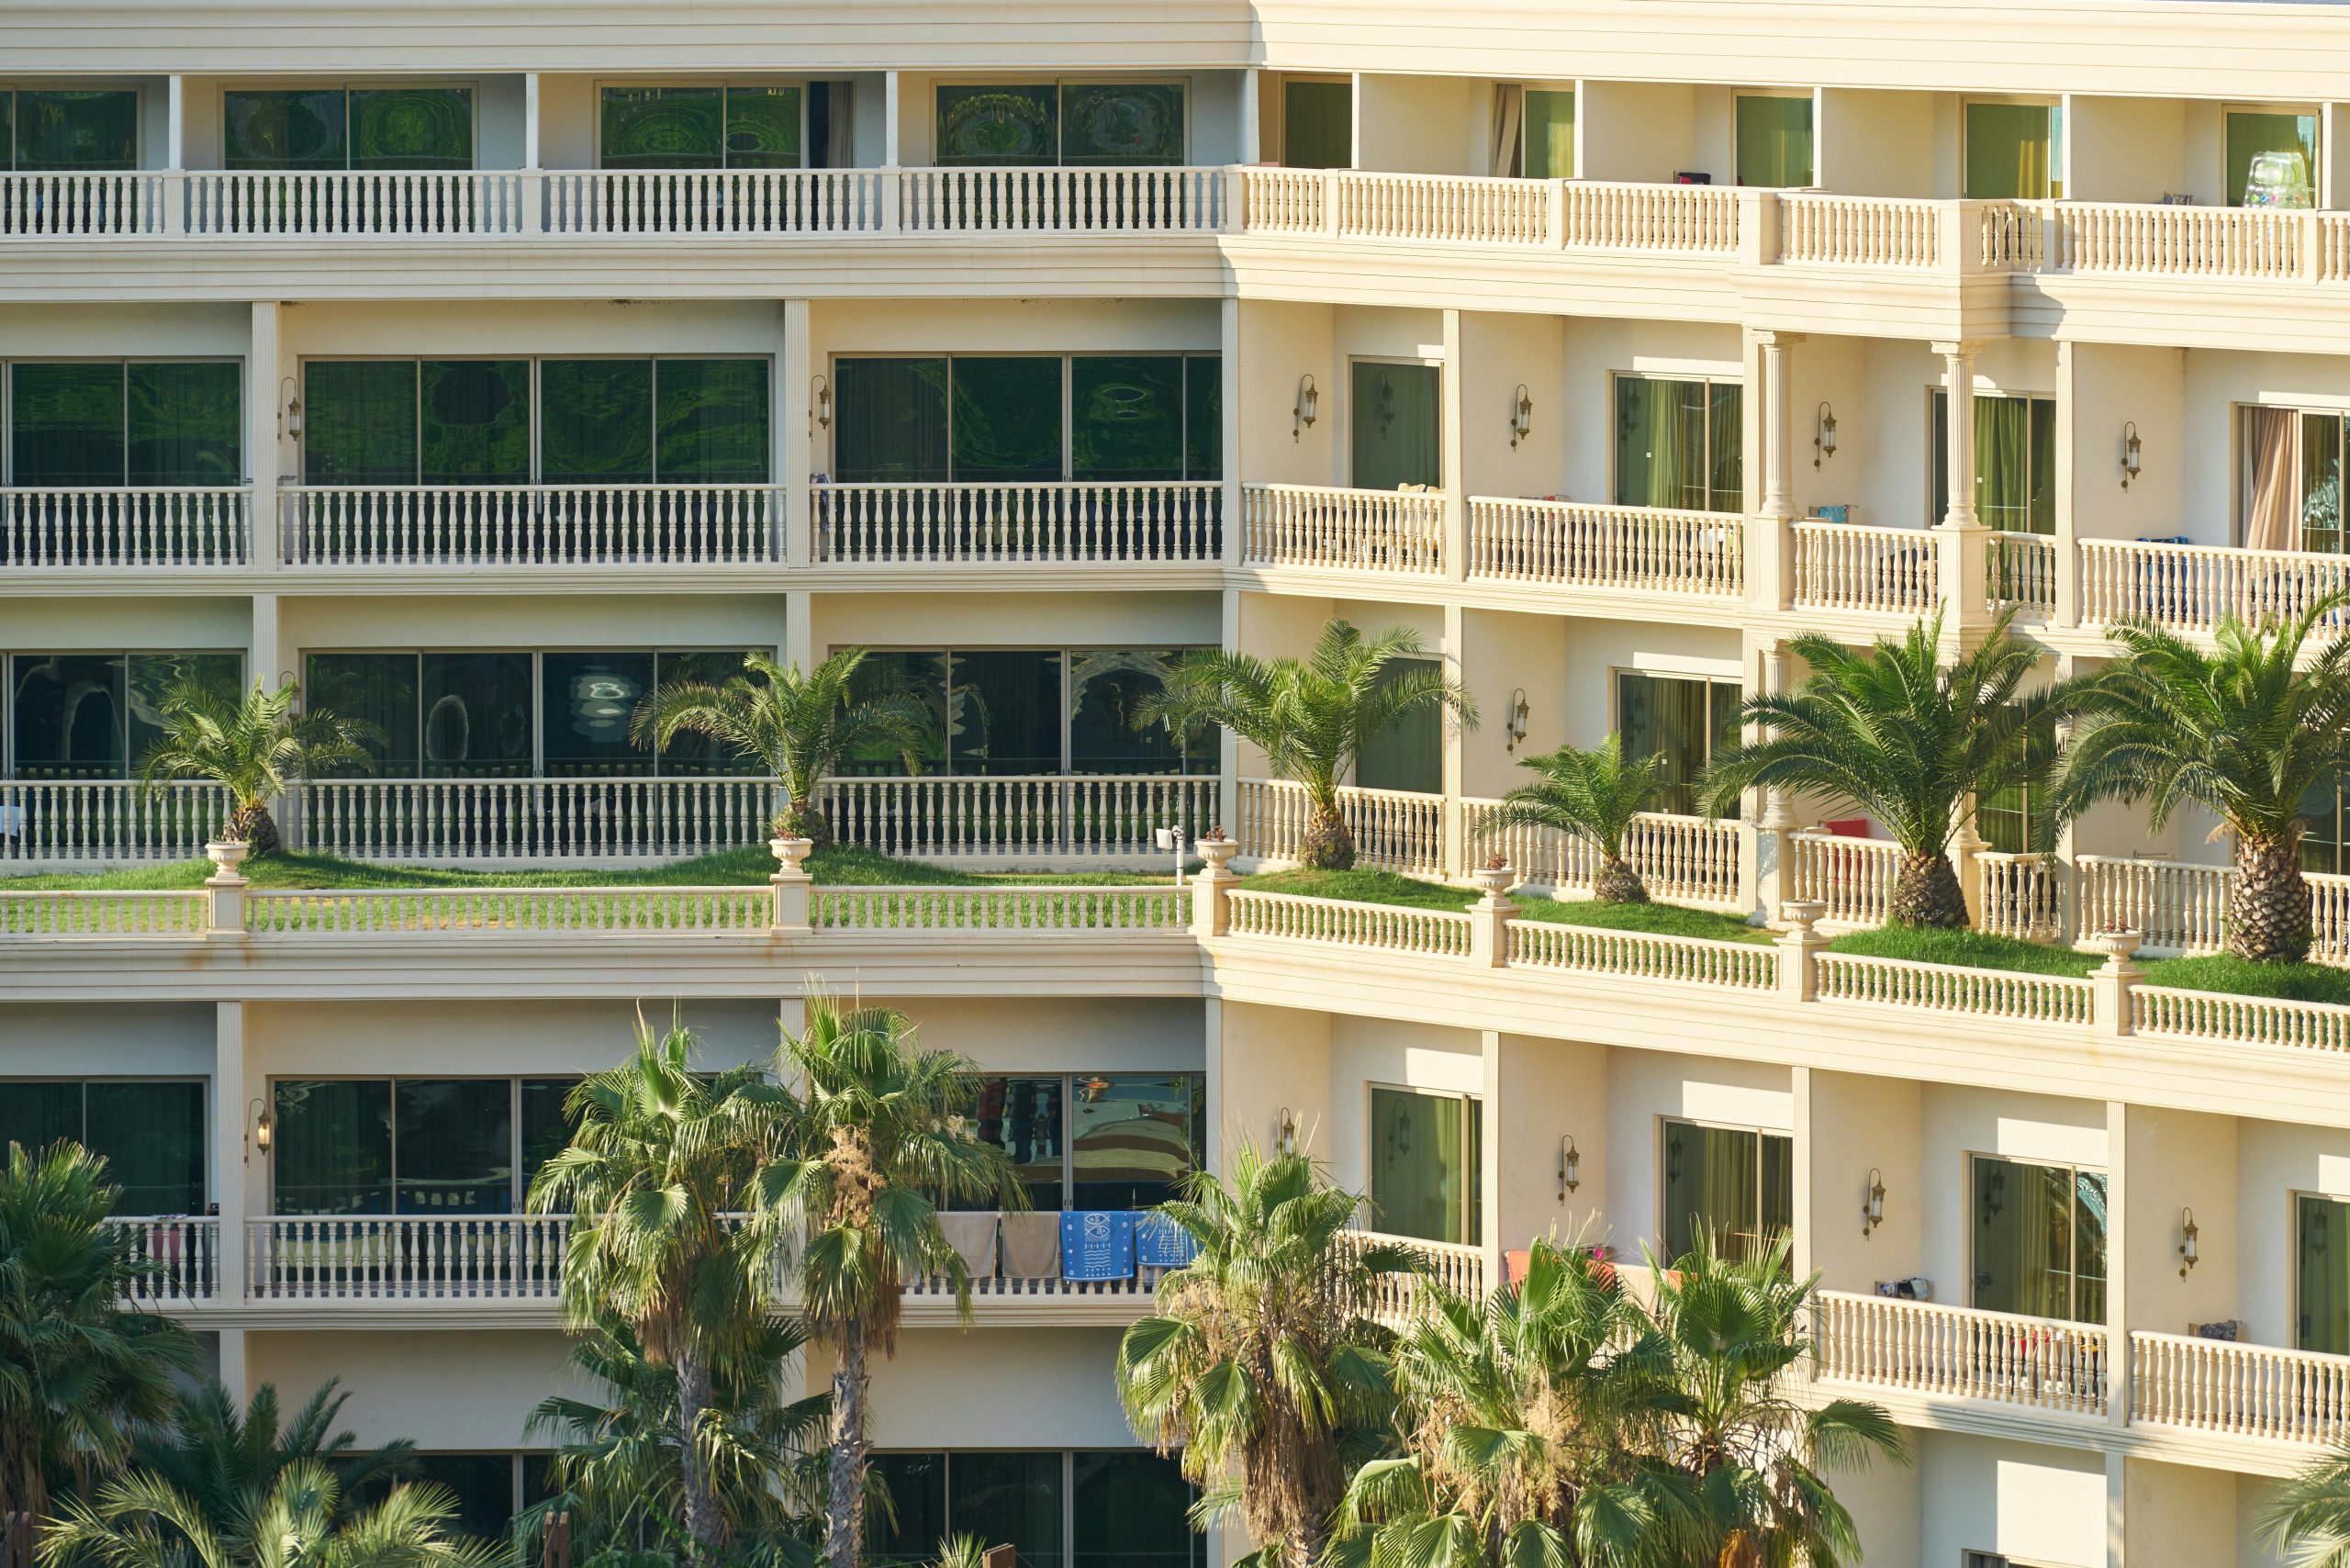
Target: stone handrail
[[489, 822], [2252, 1390], [1817, 227], [2189, 588], [1015, 819], [532, 525], [1944, 988], [73, 914], [1621, 549], [406, 1256], [2021, 570], [1681, 860], [293, 914], [1876, 571], [671, 203], [1327, 528], [1385, 928], [1140, 523], [1397, 1298], [1155, 907], [1546, 944], [1963, 1352], [132, 528], [181, 1254], [90, 822], [1395, 830], [1851, 876]]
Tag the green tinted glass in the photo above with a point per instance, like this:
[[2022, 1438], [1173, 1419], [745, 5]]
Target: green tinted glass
[[1318, 125], [587, 704], [37, 1114], [153, 677], [1676, 718], [1126, 417], [2008, 152], [1774, 141], [378, 692], [334, 1153], [1010, 1499], [763, 128], [153, 1136], [1549, 134], [453, 1151], [664, 127], [890, 422], [596, 420], [694, 755], [476, 715], [412, 127], [360, 421], [65, 715], [2322, 483], [1122, 122], [8, 131], [1130, 1509], [1663, 435], [1395, 418], [2272, 160], [1000, 125], [475, 422], [1006, 711], [1204, 417], [2322, 1280], [710, 422], [285, 129], [66, 423], [77, 128], [1420, 1176], [1007, 419], [185, 422], [1409, 752], [1109, 690]]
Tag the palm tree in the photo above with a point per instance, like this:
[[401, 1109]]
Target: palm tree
[[300, 1520], [254, 748], [1311, 716], [797, 726], [2310, 1515], [228, 1460], [2240, 730], [1262, 1352], [618, 1458], [1755, 1459], [668, 1236], [80, 1375], [1887, 730], [1592, 795], [872, 1141], [1531, 1431]]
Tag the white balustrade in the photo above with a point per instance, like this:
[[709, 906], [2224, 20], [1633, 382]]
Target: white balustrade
[[2180, 907], [1621, 549], [92, 823], [179, 1257], [1960, 1353], [1388, 928], [73, 914], [1853, 876], [295, 915], [1141, 523], [1018, 817], [2010, 994], [1592, 949], [2020, 896], [1284, 201], [406, 1256], [529, 820], [1454, 208], [1061, 200], [1395, 830], [2021, 570], [81, 204], [1398, 1296], [1327, 529], [2246, 1391], [2014, 236], [145, 529], [1673, 219], [532, 525], [405, 202], [663, 203], [1878, 571], [2239, 1020], [1680, 859], [2190, 588], [2247, 243], [1155, 907], [1849, 230]]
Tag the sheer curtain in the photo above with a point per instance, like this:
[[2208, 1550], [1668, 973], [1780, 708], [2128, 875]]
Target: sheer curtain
[[2272, 463], [1509, 116], [2003, 462]]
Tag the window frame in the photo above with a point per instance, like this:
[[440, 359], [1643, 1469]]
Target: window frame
[[1067, 1177], [1196, 1549], [2073, 1229], [597, 84], [392, 1081], [1473, 1191], [1280, 118], [1616, 674], [2239, 459], [8, 363], [2293, 1200], [346, 85], [8, 760], [1708, 380], [2059, 144], [1572, 90], [1665, 1122]]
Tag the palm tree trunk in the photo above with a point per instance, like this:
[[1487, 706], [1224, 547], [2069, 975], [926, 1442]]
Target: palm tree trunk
[[1617, 883], [2268, 903], [255, 828], [844, 1489], [1328, 845], [703, 1526], [1926, 893]]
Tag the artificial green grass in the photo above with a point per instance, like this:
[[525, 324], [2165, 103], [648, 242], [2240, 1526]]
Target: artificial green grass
[[1361, 885]]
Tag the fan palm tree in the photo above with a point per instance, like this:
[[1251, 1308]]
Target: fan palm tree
[[666, 1234], [1755, 1460], [1592, 795], [1262, 1352], [872, 1139], [797, 726], [2309, 1518], [227, 1461], [2243, 732], [1887, 730], [80, 1375], [1312, 716], [254, 747], [300, 1520]]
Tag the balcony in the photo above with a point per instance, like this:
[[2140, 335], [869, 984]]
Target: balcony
[[1397, 1298], [1862, 570], [1321, 528], [1936, 1352], [536, 526], [86, 822], [181, 1253], [146, 529], [2190, 588], [1607, 549], [1123, 524], [1037, 819], [2239, 1390]]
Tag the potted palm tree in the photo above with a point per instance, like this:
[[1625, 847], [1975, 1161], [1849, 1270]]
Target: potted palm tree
[[256, 748], [1592, 795], [2245, 732], [1311, 716], [797, 726], [1887, 729]]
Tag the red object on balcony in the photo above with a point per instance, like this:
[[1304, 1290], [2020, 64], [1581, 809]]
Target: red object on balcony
[[1849, 827]]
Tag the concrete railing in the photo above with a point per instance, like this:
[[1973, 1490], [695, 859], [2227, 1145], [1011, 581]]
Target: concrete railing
[[1397, 1298], [678, 202], [531, 525], [1451, 208], [1851, 877], [1395, 830], [1680, 859], [289, 913], [1587, 950], [1954, 992], [1386, 929], [1018, 819], [1877, 571], [2189, 588], [1817, 228], [75, 915], [528, 821], [1961, 1352], [396, 203], [1156, 524], [1061, 201], [90, 822], [140, 530], [179, 1254], [2020, 569], [1675, 219], [1324, 528], [1156, 907], [2246, 244], [2249, 1390], [406, 1256], [1619, 549], [83, 205]]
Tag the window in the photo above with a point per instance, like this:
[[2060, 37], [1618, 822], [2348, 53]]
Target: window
[[2326, 812], [2038, 1239], [1045, 123], [1000, 712], [1550, 148], [2322, 1273], [979, 418], [2005, 818], [145, 423], [150, 1133], [1126, 1508], [385, 126], [1773, 140], [1396, 424], [1734, 1184], [69, 127], [1094, 1140], [517, 715], [1689, 719], [2015, 151], [491, 1488], [1427, 1165], [701, 127], [95, 716], [1318, 124], [1679, 444], [2292, 479], [600, 421], [1408, 753], [2272, 158], [2015, 462], [459, 1146]]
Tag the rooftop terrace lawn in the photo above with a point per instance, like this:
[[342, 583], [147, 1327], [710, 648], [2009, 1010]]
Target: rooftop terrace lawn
[[1386, 887], [1975, 951]]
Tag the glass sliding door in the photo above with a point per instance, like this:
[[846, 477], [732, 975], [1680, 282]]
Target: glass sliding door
[[1136, 124], [1007, 125], [1004, 711], [1109, 689], [2015, 462], [1395, 425], [361, 421], [2014, 151], [149, 1132], [2271, 158], [700, 127], [595, 422], [890, 422], [476, 722], [473, 421], [1686, 720], [1732, 1185], [1129, 1508], [1679, 444], [2322, 1274], [330, 129], [1126, 417], [2039, 1238], [1023, 1117], [1409, 752], [69, 127], [1774, 141], [709, 421], [1318, 125], [414, 1146], [1134, 1138], [586, 707], [455, 1144], [1006, 422], [141, 422], [334, 1147], [1426, 1179], [1550, 133]]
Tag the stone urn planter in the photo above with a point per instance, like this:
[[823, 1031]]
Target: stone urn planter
[[2118, 945], [792, 854], [227, 854]]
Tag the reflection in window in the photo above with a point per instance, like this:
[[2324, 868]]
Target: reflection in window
[[149, 1132], [1731, 1183], [2322, 1274], [1409, 752], [1109, 689], [1679, 444], [1125, 1509], [2040, 1239], [700, 128], [978, 419], [353, 128], [2014, 151], [2272, 158], [96, 715], [1000, 712], [1318, 125], [142, 422], [69, 127], [1094, 1140], [1427, 1178], [1774, 141], [1688, 721], [413, 1146], [1396, 423], [1078, 123]]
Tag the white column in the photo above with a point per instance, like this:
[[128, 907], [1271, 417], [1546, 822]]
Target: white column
[[2117, 1261], [1958, 383], [795, 436], [1228, 340], [1963, 549], [240, 1173], [1489, 1172], [1453, 454], [2067, 609], [264, 416], [1454, 651], [1770, 535], [1772, 849], [534, 187], [1227, 754], [175, 122], [1806, 1218], [798, 630], [1252, 118], [890, 119]]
